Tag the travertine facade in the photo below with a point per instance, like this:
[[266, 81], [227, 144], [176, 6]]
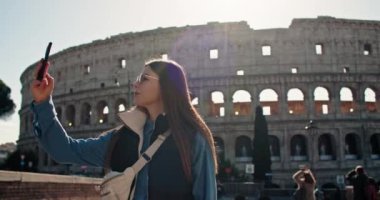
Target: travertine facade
[[325, 69]]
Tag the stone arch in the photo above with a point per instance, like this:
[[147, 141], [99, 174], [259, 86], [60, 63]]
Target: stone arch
[[298, 148], [352, 149], [274, 148], [322, 101], [367, 49], [194, 100], [375, 146], [216, 103], [269, 101], [296, 101], [370, 100], [326, 147], [85, 114], [70, 115], [243, 149], [219, 148], [347, 104], [102, 112], [241, 100], [120, 105]]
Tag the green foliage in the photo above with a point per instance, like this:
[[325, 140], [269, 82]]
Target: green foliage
[[14, 162], [261, 153], [227, 170], [7, 106]]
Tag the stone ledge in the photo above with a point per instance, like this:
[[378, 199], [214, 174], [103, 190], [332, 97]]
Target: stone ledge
[[13, 176]]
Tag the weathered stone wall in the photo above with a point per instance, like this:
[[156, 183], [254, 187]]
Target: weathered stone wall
[[21, 185], [90, 76]]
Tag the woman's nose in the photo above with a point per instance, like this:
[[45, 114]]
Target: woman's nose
[[135, 84]]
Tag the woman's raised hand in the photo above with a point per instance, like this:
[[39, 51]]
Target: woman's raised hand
[[41, 90]]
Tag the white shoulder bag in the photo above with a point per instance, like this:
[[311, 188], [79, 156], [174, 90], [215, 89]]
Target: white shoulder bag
[[117, 185]]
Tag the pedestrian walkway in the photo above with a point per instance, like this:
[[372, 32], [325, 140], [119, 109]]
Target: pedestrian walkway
[[230, 197]]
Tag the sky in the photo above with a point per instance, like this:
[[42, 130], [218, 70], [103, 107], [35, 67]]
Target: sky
[[26, 27]]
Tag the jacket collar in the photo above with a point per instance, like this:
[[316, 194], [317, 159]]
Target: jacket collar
[[134, 119]]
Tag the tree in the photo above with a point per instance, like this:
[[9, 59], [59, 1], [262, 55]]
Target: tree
[[7, 106], [227, 170], [20, 161], [261, 153]]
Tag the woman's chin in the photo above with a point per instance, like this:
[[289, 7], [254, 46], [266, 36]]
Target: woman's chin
[[138, 103]]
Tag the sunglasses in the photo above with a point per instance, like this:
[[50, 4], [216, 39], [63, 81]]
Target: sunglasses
[[144, 77]]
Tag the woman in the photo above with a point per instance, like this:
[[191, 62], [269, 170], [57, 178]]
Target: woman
[[305, 184], [184, 167]]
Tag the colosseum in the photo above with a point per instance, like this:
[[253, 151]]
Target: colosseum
[[317, 82]]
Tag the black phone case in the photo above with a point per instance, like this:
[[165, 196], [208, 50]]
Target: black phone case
[[43, 70]]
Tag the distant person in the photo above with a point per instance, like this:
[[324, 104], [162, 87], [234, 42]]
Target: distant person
[[305, 184], [372, 189], [359, 180]]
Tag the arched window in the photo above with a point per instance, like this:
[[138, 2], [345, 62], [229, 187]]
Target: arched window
[[219, 147], [121, 105], [352, 149], [269, 102], [296, 104], [347, 104], [70, 116], [243, 149], [298, 148], [367, 49], [86, 114], [274, 148], [370, 100], [241, 100], [326, 148], [195, 102], [216, 104], [375, 146], [103, 111], [321, 101]]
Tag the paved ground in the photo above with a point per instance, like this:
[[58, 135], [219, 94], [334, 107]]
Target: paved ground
[[231, 197]]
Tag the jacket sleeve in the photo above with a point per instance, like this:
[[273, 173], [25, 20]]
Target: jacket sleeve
[[203, 171], [60, 146]]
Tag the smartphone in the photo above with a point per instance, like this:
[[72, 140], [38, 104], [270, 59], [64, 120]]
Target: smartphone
[[44, 67]]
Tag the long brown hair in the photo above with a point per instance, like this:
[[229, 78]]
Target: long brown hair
[[309, 178], [184, 120]]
